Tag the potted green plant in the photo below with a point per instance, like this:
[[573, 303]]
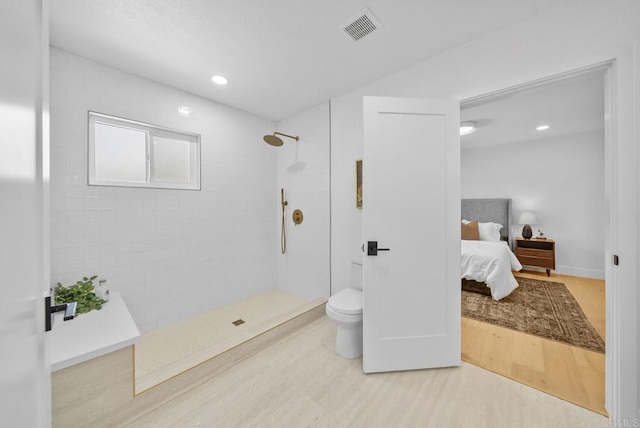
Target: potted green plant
[[80, 292]]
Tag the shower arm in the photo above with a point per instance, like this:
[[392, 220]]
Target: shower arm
[[295, 137]]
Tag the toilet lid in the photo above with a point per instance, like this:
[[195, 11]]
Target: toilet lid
[[347, 301]]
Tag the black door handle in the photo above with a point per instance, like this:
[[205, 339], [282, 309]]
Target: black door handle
[[372, 248], [68, 308]]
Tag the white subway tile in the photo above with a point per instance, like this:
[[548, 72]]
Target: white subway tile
[[160, 244]]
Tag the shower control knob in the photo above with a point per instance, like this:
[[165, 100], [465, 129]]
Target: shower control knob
[[297, 217]]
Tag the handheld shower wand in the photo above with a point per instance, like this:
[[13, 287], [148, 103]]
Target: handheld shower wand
[[283, 236]]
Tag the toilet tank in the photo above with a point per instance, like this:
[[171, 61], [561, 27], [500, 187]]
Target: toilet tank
[[356, 274], [355, 278]]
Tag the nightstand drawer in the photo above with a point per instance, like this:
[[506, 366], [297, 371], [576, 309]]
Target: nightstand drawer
[[544, 262], [532, 252]]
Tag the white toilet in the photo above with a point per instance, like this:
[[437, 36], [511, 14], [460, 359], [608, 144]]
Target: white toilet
[[345, 308]]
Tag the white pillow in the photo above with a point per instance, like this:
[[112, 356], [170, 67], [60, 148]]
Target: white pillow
[[489, 231], [465, 221]]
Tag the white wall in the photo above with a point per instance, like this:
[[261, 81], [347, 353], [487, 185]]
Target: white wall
[[303, 172], [346, 219], [572, 35], [171, 253], [561, 180]]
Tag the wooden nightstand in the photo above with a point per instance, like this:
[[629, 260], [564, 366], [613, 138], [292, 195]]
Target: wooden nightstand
[[537, 252]]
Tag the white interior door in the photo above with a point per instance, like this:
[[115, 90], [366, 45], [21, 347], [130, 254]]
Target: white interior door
[[25, 388], [411, 205]]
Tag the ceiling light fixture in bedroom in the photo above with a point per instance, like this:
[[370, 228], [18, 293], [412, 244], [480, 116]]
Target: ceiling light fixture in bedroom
[[543, 127], [220, 80], [468, 127]]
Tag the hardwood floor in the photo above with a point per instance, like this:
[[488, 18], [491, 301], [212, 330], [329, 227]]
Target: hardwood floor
[[571, 373], [301, 382]]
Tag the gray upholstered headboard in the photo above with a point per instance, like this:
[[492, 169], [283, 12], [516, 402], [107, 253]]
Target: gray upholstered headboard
[[486, 210]]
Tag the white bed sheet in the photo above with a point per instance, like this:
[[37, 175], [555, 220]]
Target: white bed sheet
[[490, 262]]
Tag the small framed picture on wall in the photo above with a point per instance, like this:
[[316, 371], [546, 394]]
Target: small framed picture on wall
[[359, 183]]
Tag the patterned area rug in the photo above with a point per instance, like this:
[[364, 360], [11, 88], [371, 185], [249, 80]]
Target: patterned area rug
[[543, 308]]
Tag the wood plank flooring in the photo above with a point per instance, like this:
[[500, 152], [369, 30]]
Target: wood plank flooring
[[570, 373], [301, 382]]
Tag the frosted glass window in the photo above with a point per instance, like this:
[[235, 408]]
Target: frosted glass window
[[120, 153], [171, 159], [124, 152]]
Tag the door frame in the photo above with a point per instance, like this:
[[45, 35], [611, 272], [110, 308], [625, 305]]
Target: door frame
[[621, 299]]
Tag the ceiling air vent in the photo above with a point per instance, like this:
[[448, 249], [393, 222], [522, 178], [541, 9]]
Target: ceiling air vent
[[362, 24]]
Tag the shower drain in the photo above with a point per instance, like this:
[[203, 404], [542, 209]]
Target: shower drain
[[237, 322]]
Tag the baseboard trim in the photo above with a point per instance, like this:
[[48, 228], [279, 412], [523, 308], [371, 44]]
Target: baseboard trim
[[585, 273], [571, 271]]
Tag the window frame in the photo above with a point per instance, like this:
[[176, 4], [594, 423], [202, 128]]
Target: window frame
[[150, 131]]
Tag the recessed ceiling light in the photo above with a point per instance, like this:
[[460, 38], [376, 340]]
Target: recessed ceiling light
[[184, 111], [543, 127], [468, 127], [220, 80]]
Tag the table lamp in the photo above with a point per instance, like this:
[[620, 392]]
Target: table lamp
[[527, 218]]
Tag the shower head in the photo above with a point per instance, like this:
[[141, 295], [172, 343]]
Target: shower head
[[276, 141], [273, 140]]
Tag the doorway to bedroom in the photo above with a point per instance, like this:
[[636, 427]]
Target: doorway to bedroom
[[542, 145]]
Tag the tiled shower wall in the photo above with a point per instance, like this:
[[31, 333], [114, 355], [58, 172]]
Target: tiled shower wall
[[171, 254], [304, 174]]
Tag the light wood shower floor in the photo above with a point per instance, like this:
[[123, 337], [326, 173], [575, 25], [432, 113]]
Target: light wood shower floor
[[168, 351]]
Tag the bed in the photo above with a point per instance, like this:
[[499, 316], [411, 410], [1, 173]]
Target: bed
[[487, 263]]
